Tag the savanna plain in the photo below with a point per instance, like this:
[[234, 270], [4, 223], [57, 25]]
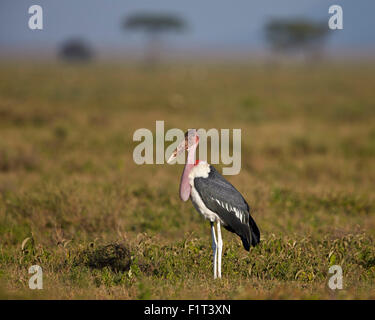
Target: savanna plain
[[73, 201]]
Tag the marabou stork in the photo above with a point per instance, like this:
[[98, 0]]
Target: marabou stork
[[216, 199]]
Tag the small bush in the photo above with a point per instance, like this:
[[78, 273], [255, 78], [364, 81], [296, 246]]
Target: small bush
[[115, 256]]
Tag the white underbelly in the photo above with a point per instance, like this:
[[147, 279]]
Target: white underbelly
[[201, 207]]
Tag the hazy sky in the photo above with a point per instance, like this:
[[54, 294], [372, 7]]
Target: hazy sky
[[212, 24]]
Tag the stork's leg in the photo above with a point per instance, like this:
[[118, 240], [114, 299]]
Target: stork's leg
[[219, 249], [214, 248]]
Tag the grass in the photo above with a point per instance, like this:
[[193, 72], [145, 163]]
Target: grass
[[73, 201]]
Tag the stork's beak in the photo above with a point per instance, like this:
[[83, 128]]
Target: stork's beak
[[191, 138], [180, 149]]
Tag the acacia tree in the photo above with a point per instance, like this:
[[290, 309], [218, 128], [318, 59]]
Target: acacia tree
[[153, 25], [296, 35]]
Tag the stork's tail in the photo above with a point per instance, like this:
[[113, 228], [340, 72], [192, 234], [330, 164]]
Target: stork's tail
[[255, 234], [252, 236]]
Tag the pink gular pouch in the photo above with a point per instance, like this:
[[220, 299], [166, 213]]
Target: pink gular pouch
[[190, 143]]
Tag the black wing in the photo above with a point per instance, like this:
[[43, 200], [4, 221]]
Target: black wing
[[221, 197]]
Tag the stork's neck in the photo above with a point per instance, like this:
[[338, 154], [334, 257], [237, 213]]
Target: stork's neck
[[184, 185]]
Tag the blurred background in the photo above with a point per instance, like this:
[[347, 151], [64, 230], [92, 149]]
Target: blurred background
[[72, 95], [213, 29]]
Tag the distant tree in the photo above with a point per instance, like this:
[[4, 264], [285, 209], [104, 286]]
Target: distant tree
[[297, 35], [153, 25], [75, 50]]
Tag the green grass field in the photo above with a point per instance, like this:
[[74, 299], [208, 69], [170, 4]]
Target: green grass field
[[73, 201]]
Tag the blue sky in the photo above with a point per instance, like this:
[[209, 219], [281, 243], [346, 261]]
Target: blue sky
[[212, 24]]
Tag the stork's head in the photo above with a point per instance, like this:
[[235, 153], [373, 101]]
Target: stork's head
[[191, 140]]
